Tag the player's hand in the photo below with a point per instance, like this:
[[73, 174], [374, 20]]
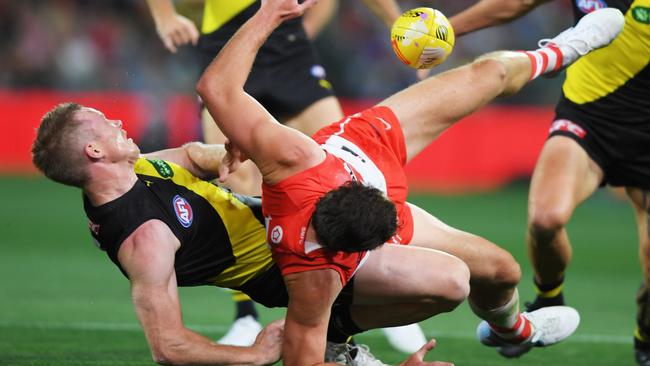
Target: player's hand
[[417, 359], [269, 342], [230, 161], [287, 9], [177, 30]]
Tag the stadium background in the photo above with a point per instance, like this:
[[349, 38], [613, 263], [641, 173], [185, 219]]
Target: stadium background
[[63, 303]]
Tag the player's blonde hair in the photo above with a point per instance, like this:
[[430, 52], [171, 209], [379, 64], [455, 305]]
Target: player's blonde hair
[[56, 151]]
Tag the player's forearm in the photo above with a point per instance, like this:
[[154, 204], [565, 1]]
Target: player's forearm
[[188, 348], [161, 9], [487, 13], [386, 10], [205, 158]]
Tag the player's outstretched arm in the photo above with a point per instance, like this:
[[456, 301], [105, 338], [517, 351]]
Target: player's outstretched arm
[[487, 13], [147, 256], [277, 151]]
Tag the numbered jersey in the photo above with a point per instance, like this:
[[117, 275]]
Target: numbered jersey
[[367, 147], [222, 236]]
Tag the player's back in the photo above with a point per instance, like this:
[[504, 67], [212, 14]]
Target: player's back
[[614, 80], [222, 236]]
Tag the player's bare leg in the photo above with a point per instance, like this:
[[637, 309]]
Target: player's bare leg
[[563, 178], [402, 284], [388, 293], [494, 272], [429, 107], [641, 202]]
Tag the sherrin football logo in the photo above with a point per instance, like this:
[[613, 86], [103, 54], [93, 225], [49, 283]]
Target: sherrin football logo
[[183, 211]]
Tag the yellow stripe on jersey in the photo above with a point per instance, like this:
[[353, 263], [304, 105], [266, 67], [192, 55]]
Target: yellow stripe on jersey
[[247, 234], [603, 71], [218, 12]]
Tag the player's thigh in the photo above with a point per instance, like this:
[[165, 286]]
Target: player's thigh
[[427, 108], [395, 274], [486, 260], [316, 116], [564, 176]]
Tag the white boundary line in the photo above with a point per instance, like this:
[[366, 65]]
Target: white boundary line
[[580, 338]]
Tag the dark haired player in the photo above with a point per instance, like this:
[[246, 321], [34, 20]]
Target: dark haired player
[[305, 180]]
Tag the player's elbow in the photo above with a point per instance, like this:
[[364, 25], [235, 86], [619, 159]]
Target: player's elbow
[[168, 354], [213, 91], [205, 88]]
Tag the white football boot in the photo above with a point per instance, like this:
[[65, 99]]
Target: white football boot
[[242, 332], [594, 30], [550, 325], [340, 353], [406, 339]]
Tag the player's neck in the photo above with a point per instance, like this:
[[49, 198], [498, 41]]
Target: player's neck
[[109, 182]]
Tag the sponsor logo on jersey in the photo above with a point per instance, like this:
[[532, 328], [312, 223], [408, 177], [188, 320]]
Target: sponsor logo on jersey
[[162, 168], [567, 126], [276, 235], [587, 6], [641, 14], [183, 211]]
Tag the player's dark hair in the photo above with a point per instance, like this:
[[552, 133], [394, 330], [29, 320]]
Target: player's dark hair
[[53, 151], [354, 218]]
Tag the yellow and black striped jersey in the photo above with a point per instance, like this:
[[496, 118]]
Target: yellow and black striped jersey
[[222, 235], [614, 81], [218, 12], [222, 19]]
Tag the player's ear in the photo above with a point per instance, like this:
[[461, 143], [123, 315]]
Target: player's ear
[[93, 150]]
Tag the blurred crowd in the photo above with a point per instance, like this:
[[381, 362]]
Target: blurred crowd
[[112, 44]]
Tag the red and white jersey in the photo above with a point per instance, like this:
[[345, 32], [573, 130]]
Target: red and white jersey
[[367, 147]]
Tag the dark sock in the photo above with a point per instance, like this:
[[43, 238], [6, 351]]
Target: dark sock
[[642, 331], [245, 308], [547, 295], [341, 326]]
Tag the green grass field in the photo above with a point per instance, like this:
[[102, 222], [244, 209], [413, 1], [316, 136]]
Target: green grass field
[[62, 302]]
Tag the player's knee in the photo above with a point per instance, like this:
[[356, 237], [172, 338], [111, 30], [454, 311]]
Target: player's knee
[[491, 68], [456, 284], [548, 220], [505, 271]]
